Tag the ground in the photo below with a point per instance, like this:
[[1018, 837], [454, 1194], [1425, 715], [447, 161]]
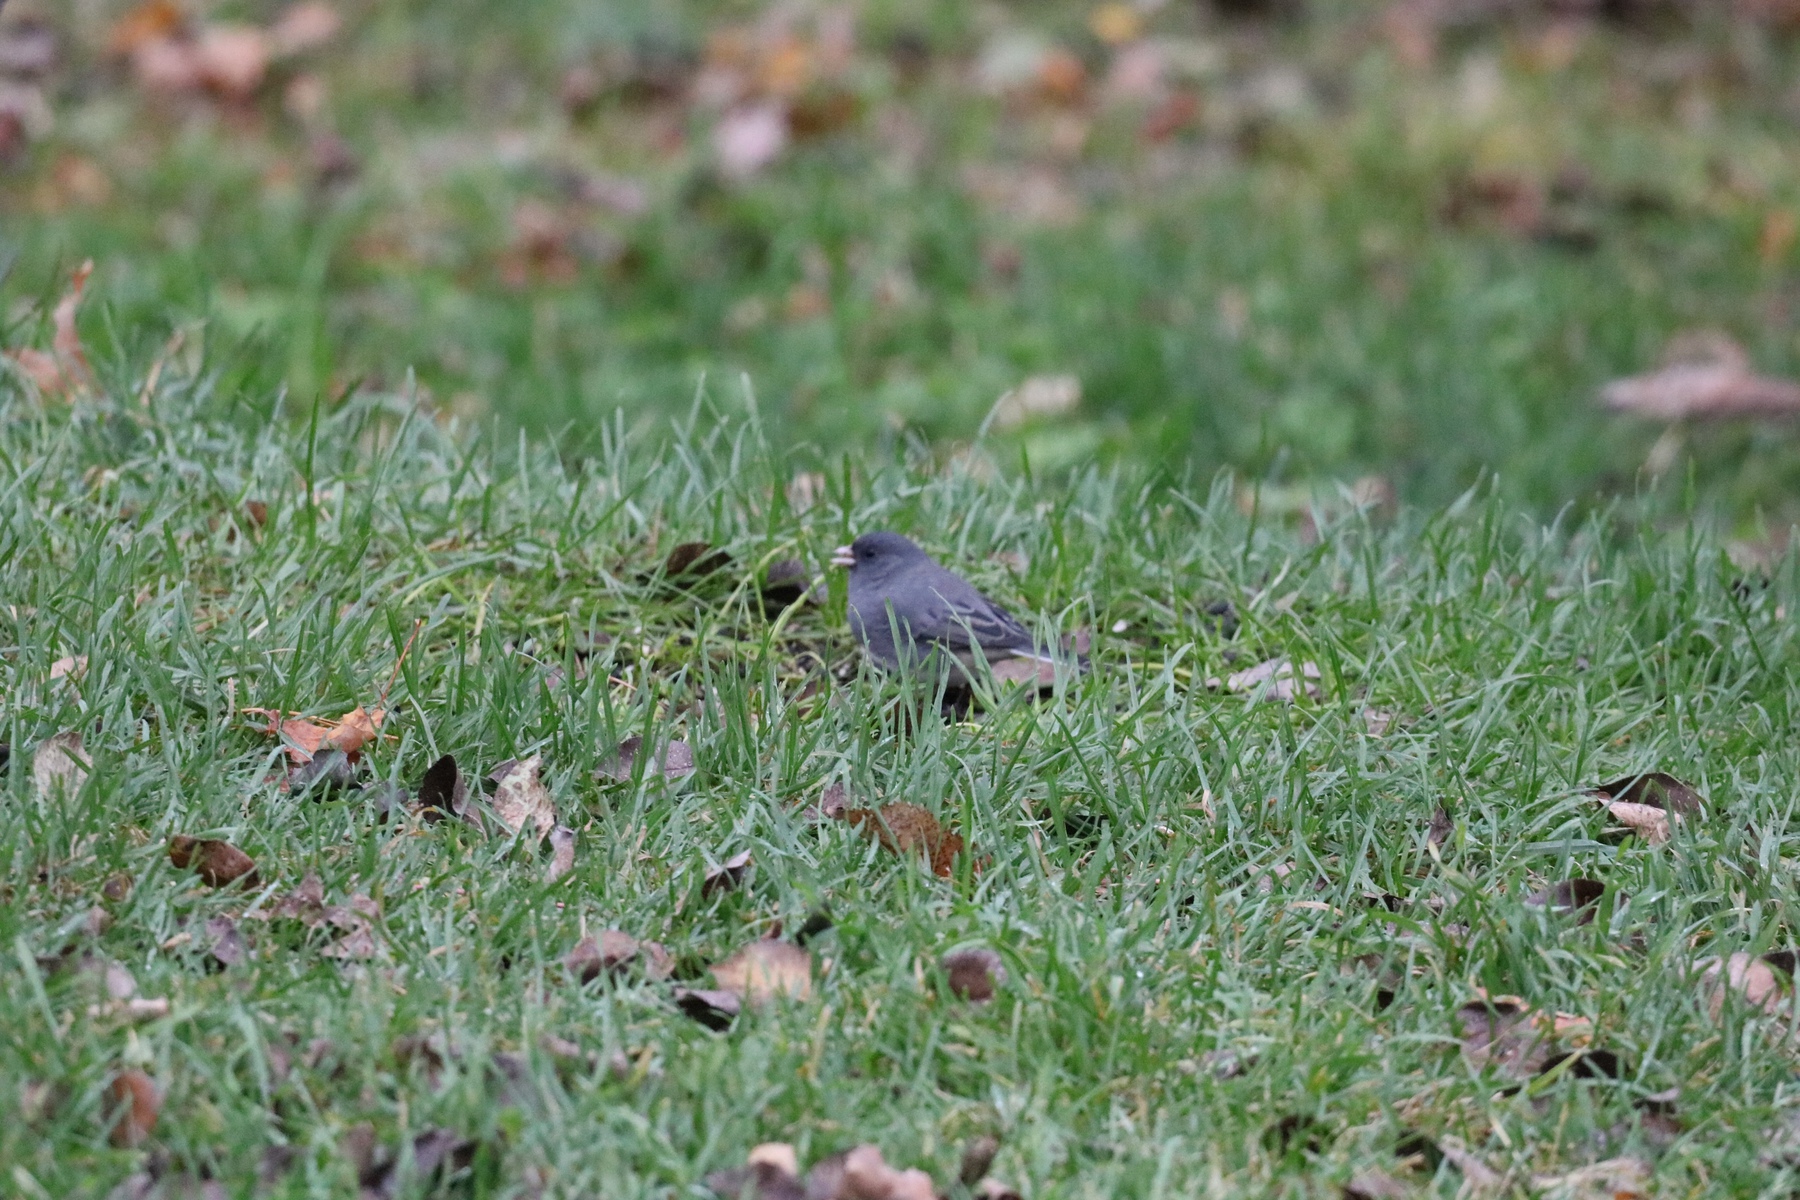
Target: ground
[[1237, 933], [1374, 242]]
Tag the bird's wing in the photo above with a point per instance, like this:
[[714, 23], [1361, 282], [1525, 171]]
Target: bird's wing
[[959, 617]]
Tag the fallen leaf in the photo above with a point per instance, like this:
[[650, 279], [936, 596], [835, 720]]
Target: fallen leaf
[[217, 863], [442, 791], [64, 369], [562, 853], [1372, 1183], [1503, 1033], [521, 799], [613, 951], [868, 1177], [307, 735], [1442, 826], [302, 27], [305, 903], [713, 1009], [727, 875], [1751, 977], [1647, 820], [1577, 896], [764, 970], [232, 59], [1714, 391], [1038, 672], [223, 943], [977, 1158], [1115, 24], [135, 1102], [974, 974], [1613, 1179], [696, 559], [72, 667], [677, 760], [1278, 675], [1656, 789], [119, 982], [142, 23], [329, 772], [117, 887], [908, 829], [1478, 1178], [765, 1178], [59, 765], [1036, 396], [749, 138]]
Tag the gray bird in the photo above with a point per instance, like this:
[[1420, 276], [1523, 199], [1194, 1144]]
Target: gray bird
[[896, 589]]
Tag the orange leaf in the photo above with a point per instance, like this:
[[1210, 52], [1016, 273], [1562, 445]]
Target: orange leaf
[[356, 729], [147, 22], [65, 368]]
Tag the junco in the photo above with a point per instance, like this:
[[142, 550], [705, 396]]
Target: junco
[[896, 589]]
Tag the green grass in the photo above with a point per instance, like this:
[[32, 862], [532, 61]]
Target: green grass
[[1279, 288], [1141, 932]]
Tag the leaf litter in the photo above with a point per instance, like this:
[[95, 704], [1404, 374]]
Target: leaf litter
[[217, 863], [908, 829], [772, 1172], [1650, 804], [59, 765]]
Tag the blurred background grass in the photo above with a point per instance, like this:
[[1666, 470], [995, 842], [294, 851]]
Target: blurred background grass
[[1398, 242]]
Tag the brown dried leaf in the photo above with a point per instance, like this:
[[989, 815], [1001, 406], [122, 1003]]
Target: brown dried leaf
[[562, 853], [134, 1102], [1703, 392], [677, 760], [1442, 826], [65, 369], [59, 764], [727, 876], [442, 793], [1613, 1179], [69, 667], [1577, 896], [974, 974], [1752, 978], [766, 969], [217, 863], [224, 943], [1657, 789], [694, 558], [142, 23], [1647, 820], [305, 903], [908, 829], [713, 1009], [306, 736], [612, 951], [1501, 1031], [977, 1158], [1372, 1183], [868, 1177], [749, 137], [1278, 676], [232, 59], [302, 27], [521, 799]]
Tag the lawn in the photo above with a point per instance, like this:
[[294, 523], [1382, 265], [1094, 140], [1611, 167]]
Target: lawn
[[1238, 936], [1350, 245], [434, 759]]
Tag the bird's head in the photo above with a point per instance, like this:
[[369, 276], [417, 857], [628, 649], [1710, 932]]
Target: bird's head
[[877, 553]]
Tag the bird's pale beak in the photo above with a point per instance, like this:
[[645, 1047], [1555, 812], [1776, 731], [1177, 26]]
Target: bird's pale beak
[[842, 557]]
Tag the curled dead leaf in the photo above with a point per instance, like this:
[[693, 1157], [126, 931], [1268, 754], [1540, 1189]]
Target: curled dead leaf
[[974, 973], [64, 370], [59, 765], [613, 951], [715, 1009], [1647, 820], [562, 853], [217, 863], [677, 761], [1276, 679], [908, 829], [1577, 896], [1656, 789], [1758, 984], [766, 970], [521, 800], [1724, 388], [727, 876], [694, 559], [134, 1104], [223, 943]]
